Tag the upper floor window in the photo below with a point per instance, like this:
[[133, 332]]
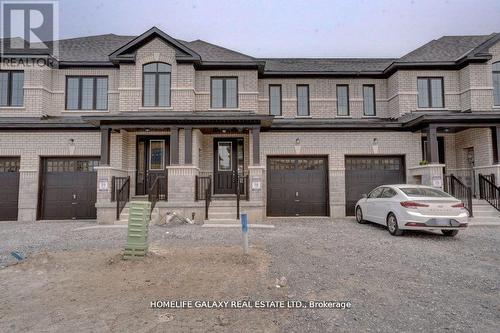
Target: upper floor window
[[302, 100], [496, 84], [11, 88], [369, 100], [430, 92], [224, 92], [86, 93], [275, 100], [156, 84], [342, 100]]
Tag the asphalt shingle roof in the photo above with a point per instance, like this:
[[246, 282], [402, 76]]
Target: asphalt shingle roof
[[327, 65], [446, 48]]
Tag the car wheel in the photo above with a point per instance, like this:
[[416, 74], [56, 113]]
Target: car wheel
[[449, 233], [392, 225], [359, 215]]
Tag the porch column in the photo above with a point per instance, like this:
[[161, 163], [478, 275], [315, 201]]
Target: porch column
[[497, 138], [174, 145], [432, 145], [188, 145], [105, 145], [256, 145]]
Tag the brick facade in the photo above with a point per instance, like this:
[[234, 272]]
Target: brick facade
[[468, 89]]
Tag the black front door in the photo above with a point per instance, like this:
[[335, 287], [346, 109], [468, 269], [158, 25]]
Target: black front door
[[152, 159], [228, 161]]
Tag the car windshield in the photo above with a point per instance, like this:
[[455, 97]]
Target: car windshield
[[424, 192]]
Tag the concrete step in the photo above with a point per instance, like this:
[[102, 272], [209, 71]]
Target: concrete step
[[222, 221], [139, 198], [486, 214], [475, 219], [221, 215], [223, 203]]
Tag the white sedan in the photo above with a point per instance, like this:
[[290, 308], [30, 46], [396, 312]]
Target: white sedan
[[412, 207]]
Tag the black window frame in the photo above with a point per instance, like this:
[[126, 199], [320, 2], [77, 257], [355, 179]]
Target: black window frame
[[9, 89], [281, 99], [337, 94], [493, 72], [429, 92], [224, 91], [308, 99], [374, 101], [157, 85], [94, 95]]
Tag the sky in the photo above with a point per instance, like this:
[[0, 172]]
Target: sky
[[289, 28]]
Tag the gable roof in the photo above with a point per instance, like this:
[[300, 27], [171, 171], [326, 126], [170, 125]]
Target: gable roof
[[127, 51], [447, 51], [447, 48]]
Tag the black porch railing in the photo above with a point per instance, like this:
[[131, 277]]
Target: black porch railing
[[454, 187], [116, 184], [121, 193], [489, 191], [158, 190], [203, 191]]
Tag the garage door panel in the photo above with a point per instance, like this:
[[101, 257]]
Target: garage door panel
[[364, 173], [9, 189], [69, 188], [297, 186]]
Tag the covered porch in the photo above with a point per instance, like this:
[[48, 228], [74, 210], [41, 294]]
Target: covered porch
[[459, 154], [180, 162]]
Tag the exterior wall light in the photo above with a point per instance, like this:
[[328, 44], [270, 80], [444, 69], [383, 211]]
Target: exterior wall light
[[71, 146], [375, 145], [297, 146]]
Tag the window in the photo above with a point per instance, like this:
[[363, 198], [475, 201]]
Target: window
[[11, 88], [430, 92], [86, 93], [342, 100], [369, 100], [225, 150], [275, 100], [375, 193], [388, 193], [224, 92], [302, 100], [156, 154], [156, 84], [424, 192], [496, 84]]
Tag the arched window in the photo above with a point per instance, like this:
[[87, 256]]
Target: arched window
[[156, 84]]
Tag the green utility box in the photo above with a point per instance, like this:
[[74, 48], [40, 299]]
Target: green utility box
[[137, 236]]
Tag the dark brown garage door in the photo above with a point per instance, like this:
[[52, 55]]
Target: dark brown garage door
[[9, 188], [297, 186], [364, 173], [69, 188]]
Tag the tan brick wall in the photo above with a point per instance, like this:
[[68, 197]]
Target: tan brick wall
[[247, 89], [323, 96], [30, 147], [336, 145]]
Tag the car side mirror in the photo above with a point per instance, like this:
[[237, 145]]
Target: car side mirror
[[364, 195]]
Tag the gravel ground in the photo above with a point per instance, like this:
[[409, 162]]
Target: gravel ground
[[418, 282]]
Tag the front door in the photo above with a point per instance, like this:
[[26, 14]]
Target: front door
[[152, 159], [228, 161]]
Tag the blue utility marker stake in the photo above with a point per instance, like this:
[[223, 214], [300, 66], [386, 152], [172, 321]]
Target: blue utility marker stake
[[244, 230]]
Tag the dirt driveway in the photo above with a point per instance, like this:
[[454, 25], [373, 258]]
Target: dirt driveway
[[76, 281]]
